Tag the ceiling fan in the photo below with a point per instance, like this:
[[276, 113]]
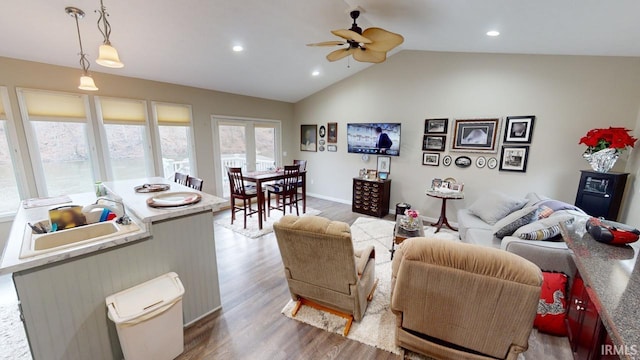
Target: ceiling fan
[[370, 45]]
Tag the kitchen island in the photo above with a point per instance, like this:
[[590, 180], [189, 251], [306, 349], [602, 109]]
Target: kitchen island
[[62, 292]]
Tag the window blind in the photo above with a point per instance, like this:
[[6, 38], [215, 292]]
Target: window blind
[[173, 114], [53, 106], [3, 114], [123, 111]]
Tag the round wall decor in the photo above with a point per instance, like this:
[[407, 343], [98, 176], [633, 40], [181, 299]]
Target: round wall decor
[[446, 161], [481, 162], [323, 131], [463, 161], [492, 163]]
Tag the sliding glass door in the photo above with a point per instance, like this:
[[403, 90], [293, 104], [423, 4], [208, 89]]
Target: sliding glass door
[[249, 144]]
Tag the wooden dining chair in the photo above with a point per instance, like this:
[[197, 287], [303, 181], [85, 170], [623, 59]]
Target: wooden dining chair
[[238, 191], [286, 192], [303, 167], [195, 183], [180, 178]]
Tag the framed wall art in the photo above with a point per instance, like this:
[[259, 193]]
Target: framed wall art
[[308, 138], [514, 158], [519, 129], [436, 126], [384, 164], [332, 148], [447, 160], [332, 132], [434, 142], [431, 159], [475, 135], [322, 131]]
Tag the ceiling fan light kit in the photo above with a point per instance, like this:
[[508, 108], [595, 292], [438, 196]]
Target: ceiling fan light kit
[[370, 45]]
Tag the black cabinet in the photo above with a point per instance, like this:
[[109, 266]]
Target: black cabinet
[[371, 197], [600, 194]]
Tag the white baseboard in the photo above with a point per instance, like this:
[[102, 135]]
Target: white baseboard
[[329, 198]]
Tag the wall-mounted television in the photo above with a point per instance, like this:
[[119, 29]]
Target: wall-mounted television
[[374, 138]]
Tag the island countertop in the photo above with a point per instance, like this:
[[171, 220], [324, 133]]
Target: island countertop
[[612, 276], [136, 206]]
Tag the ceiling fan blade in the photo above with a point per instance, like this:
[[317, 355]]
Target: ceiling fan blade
[[339, 54], [351, 35], [368, 55], [381, 39], [328, 43]]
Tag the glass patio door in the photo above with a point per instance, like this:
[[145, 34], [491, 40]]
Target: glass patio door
[[249, 144]]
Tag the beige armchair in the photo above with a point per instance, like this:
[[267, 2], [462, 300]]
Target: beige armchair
[[460, 301], [322, 268]]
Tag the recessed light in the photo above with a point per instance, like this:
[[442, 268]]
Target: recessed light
[[238, 48], [315, 73], [493, 33]]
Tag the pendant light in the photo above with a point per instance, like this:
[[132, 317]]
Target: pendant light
[[86, 81], [107, 55]]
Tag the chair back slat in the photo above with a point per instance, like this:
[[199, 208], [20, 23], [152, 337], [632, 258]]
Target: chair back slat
[[195, 183], [236, 181], [301, 163], [291, 173], [180, 178]]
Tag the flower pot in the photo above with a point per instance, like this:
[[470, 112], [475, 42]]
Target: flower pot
[[602, 161]]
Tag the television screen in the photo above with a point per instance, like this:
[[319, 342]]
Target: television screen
[[374, 138]]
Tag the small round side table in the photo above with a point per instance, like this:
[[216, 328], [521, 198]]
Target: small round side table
[[444, 196]]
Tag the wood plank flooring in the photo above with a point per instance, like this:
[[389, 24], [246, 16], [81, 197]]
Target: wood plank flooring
[[254, 290]]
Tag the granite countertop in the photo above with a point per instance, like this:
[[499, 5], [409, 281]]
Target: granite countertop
[[137, 202], [136, 207], [612, 276]]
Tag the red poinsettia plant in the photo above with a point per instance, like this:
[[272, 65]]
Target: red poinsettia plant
[[614, 137]]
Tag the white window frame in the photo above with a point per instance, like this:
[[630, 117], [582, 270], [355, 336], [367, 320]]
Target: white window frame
[[16, 155], [191, 139], [148, 151], [250, 125], [32, 141]]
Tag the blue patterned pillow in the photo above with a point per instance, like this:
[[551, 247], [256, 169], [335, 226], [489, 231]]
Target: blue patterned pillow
[[543, 229], [514, 221]]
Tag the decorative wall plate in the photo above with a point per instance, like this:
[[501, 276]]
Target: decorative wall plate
[[174, 199], [321, 148], [446, 161], [322, 132], [481, 161], [463, 161], [321, 142], [492, 163]]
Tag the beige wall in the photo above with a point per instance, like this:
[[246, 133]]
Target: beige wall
[[569, 95], [17, 73], [631, 213]]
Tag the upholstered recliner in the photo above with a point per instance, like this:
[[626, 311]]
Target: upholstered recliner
[[460, 301], [322, 268]]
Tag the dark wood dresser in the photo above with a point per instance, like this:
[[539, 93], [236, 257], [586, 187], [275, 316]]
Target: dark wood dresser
[[371, 197]]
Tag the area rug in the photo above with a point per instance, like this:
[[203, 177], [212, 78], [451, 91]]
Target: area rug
[[252, 230], [377, 328], [13, 340]]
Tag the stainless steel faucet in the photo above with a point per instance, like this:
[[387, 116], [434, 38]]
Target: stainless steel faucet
[[124, 219]]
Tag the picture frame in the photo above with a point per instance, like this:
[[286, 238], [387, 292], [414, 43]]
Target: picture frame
[[309, 138], [475, 135], [332, 132], [436, 183], [481, 161], [514, 158], [372, 174], [457, 187], [434, 142], [430, 159], [519, 129], [322, 132], [447, 160], [332, 148], [384, 164], [492, 163], [383, 175], [436, 126]]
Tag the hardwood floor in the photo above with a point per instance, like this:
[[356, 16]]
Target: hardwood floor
[[254, 290]]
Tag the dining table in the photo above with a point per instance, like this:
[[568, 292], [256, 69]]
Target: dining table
[[261, 177]]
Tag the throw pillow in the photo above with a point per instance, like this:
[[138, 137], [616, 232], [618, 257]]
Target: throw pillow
[[514, 221], [534, 199], [544, 212], [543, 229], [552, 306], [556, 205], [494, 206]]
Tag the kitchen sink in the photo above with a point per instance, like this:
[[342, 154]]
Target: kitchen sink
[[36, 244]]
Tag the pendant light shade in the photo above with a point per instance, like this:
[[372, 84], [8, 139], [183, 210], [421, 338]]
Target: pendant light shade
[[108, 57], [86, 83]]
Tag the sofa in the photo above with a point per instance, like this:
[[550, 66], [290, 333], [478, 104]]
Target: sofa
[[550, 254], [461, 301]]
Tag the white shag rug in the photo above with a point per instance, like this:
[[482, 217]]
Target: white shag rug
[[252, 230], [13, 340], [377, 327]]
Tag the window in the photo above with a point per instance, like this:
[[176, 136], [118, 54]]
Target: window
[[176, 138], [125, 138], [10, 194], [57, 135]]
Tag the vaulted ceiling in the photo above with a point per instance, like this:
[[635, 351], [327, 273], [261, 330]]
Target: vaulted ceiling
[[190, 42]]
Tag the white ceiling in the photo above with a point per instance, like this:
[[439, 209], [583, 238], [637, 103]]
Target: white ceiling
[[189, 42]]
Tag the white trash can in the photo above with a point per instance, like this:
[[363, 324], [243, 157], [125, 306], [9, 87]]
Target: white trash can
[[148, 318]]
